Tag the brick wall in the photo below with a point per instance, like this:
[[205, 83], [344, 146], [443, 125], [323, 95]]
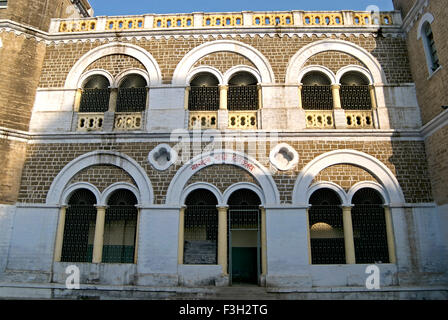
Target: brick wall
[[406, 159], [404, 6], [38, 13], [390, 52], [116, 63], [12, 158], [223, 61], [21, 61], [344, 175], [437, 150], [333, 60]]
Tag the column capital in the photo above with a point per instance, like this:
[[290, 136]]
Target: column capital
[[222, 207], [335, 86]]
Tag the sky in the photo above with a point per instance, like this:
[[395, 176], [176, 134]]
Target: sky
[[137, 7]]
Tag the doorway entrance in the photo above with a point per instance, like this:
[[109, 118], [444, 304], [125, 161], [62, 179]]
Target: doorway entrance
[[244, 236]]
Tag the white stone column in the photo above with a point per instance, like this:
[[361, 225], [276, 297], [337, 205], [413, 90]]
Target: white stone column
[[348, 235], [60, 234], [99, 234], [222, 238]]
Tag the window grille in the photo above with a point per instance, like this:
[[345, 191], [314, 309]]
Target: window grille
[[201, 228], [242, 98], [79, 229], [317, 97], [120, 228], [434, 59], [3, 3], [326, 228], [131, 99], [355, 97], [203, 98], [94, 100], [369, 227]]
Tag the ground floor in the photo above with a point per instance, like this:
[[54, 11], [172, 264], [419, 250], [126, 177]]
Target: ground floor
[[225, 221]]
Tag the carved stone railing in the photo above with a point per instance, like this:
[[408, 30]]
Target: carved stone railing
[[359, 119], [319, 119], [90, 121], [242, 120], [357, 19], [128, 121], [203, 120]]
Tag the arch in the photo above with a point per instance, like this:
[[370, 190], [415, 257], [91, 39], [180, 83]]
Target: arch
[[427, 17], [255, 56], [208, 69], [241, 68], [134, 51], [59, 184], [360, 159], [328, 185], [119, 78], [202, 185], [299, 59], [243, 185], [117, 186], [355, 68], [368, 184], [322, 69], [95, 72], [68, 192], [216, 157]]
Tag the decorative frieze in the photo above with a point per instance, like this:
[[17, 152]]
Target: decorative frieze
[[319, 119], [243, 120], [203, 120], [90, 121], [128, 121], [359, 119]]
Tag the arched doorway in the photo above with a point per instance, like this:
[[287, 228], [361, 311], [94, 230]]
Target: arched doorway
[[244, 236]]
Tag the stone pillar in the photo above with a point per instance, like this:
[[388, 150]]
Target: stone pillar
[[264, 261], [222, 238], [348, 235], [137, 232], [310, 258], [113, 99], [260, 96], [60, 235], [78, 95], [300, 105], [99, 234], [180, 253], [390, 236], [374, 107], [186, 97], [336, 96], [340, 120], [223, 89]]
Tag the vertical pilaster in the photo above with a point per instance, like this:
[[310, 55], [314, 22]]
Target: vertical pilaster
[[180, 253], [223, 90], [78, 95], [336, 96], [222, 238], [390, 236], [99, 234], [137, 232], [260, 96], [264, 261], [348, 235], [187, 97], [60, 235], [113, 99], [300, 105]]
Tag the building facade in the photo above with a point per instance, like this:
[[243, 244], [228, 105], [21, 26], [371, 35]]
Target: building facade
[[292, 150]]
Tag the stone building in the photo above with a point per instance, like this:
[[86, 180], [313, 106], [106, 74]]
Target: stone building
[[189, 152]]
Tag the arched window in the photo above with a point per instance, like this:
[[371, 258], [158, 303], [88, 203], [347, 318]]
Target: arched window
[[244, 236], [326, 228], [355, 91], [120, 228], [316, 91], [369, 227], [95, 94], [132, 94], [204, 93], [430, 47], [243, 92], [79, 228], [201, 228]]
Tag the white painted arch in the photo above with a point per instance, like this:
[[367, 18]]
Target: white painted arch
[[244, 185], [118, 186], [61, 181], [241, 68], [427, 17], [349, 68], [88, 74], [119, 78], [267, 184], [368, 184], [329, 185], [297, 62], [68, 192], [202, 185], [376, 168], [206, 69], [256, 57], [331, 76], [134, 51]]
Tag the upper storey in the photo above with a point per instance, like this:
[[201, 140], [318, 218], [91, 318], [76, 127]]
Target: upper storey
[[235, 20]]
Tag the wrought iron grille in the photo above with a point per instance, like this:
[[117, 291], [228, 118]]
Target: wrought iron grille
[[328, 248], [94, 100], [79, 224], [355, 97], [317, 98], [200, 234], [242, 98], [203, 99], [131, 99], [119, 236], [244, 217], [369, 231]]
